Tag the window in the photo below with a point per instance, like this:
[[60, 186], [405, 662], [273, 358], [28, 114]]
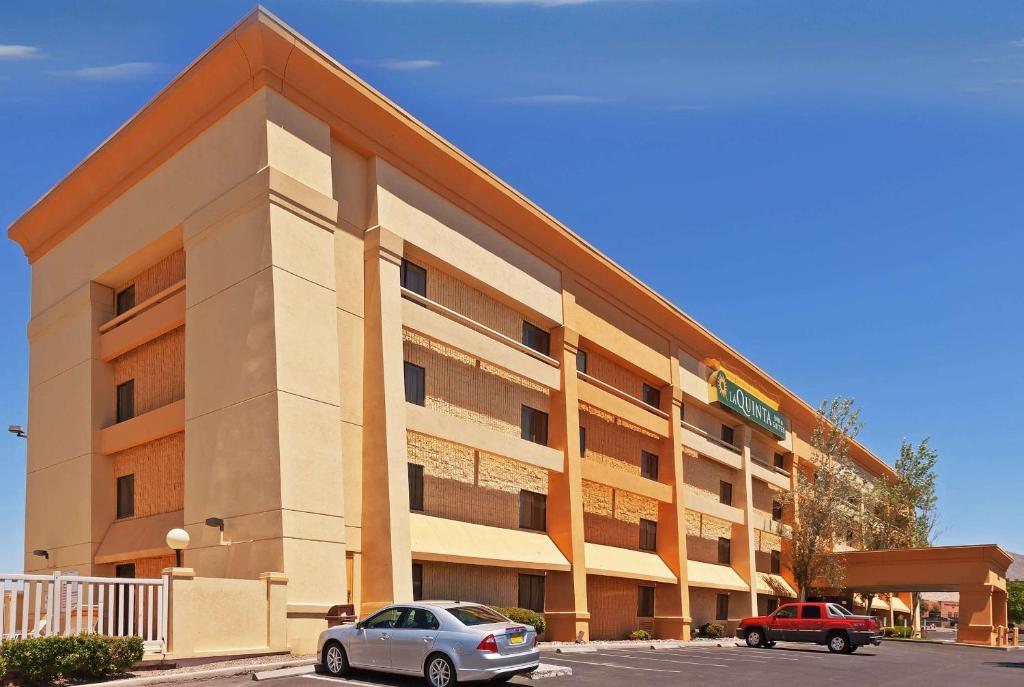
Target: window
[[126, 400], [648, 535], [810, 611], [536, 338], [725, 492], [125, 300], [786, 612], [417, 581], [772, 605], [837, 611], [777, 511], [645, 602], [682, 412], [415, 487], [414, 277], [780, 461], [476, 615], [651, 396], [583, 441], [776, 563], [415, 384], [728, 435], [722, 607], [419, 619], [125, 570], [648, 465], [533, 510], [126, 496], [724, 551], [531, 592], [581, 361], [534, 425], [386, 619]]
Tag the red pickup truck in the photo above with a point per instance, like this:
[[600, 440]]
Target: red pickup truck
[[822, 623]]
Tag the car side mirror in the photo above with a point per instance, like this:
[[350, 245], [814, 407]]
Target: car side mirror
[[360, 626]]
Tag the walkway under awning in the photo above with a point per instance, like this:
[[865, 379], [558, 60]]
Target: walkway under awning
[[613, 561], [701, 574], [127, 540], [453, 541]]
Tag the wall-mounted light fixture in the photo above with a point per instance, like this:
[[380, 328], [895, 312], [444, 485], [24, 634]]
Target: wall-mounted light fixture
[[178, 540], [219, 524], [42, 553], [17, 430]]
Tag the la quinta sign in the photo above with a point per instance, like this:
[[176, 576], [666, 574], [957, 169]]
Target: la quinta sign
[[731, 395]]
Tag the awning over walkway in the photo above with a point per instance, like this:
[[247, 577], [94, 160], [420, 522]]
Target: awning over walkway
[[896, 603], [713, 576], [138, 538], [441, 539], [613, 561], [776, 585]]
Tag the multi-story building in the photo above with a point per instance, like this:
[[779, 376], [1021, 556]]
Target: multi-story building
[[276, 299]]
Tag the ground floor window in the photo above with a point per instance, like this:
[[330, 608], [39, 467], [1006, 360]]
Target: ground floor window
[[417, 581], [645, 602], [772, 605], [722, 607], [531, 592]]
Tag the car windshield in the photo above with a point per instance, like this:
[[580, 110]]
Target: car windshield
[[476, 615], [836, 609]]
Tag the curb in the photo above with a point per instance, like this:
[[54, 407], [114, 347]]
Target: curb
[[283, 672], [576, 650], [591, 647], [947, 642], [202, 674], [546, 670]]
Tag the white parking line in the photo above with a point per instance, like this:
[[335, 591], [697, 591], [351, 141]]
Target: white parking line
[[616, 665], [342, 681], [760, 656], [665, 660]]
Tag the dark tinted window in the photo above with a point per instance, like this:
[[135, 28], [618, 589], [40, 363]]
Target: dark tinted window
[[534, 425], [417, 581], [583, 441], [786, 612], [648, 465], [728, 435], [651, 396], [386, 619], [536, 338], [722, 607], [476, 615], [125, 300], [419, 619], [810, 612], [772, 605], [648, 535], [415, 487], [125, 570], [645, 602], [581, 361], [725, 493], [724, 551], [533, 510], [414, 277], [776, 510], [780, 461], [776, 562], [126, 400], [415, 384], [531, 592], [126, 496]]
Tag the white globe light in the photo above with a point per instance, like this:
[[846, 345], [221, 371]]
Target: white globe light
[[177, 539]]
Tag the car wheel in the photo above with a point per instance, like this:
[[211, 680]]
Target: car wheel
[[440, 672], [769, 645], [754, 637], [838, 644], [335, 661], [853, 647]]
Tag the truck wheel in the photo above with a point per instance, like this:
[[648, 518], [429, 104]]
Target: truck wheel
[[754, 637], [769, 645], [838, 643], [853, 647]]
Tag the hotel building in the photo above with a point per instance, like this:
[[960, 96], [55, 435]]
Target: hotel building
[[275, 298]]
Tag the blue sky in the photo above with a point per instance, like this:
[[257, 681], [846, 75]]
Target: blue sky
[[832, 187]]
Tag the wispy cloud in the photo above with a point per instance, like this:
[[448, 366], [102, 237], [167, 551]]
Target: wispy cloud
[[552, 99], [1019, 43], [124, 71], [406, 65], [19, 52]]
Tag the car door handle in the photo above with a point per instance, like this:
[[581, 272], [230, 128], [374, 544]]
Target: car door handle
[[428, 639]]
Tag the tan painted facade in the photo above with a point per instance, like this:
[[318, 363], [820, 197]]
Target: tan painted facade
[[262, 207]]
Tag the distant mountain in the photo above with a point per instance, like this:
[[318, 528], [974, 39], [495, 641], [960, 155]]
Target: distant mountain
[[1016, 571]]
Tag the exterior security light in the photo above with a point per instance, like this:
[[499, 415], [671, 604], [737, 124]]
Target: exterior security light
[[215, 522], [178, 540], [17, 430], [42, 553]]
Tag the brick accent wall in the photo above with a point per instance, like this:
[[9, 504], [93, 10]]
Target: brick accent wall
[[159, 469], [702, 533], [612, 517], [764, 544], [704, 605], [702, 477], [447, 290], [482, 584], [612, 602], [471, 389], [158, 277], [462, 484], [613, 441], [613, 374], [149, 568], [763, 495], [158, 368]]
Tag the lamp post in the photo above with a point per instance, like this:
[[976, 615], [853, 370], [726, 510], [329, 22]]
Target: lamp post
[[18, 431], [178, 540]]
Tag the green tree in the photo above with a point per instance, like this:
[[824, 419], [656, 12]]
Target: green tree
[[1015, 601], [905, 509], [826, 498]]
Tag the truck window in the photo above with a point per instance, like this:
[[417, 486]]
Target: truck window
[[785, 612], [837, 611], [810, 612]]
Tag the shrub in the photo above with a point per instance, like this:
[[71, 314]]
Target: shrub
[[639, 635], [711, 630], [898, 632], [45, 659], [524, 616]]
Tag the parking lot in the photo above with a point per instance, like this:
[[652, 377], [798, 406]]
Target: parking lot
[[785, 665]]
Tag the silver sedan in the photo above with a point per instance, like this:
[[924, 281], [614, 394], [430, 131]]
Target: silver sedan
[[444, 641]]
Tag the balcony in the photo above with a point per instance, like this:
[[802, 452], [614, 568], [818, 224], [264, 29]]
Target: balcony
[[626, 481], [151, 318], [777, 477], [156, 424], [717, 509], [707, 445], [594, 392]]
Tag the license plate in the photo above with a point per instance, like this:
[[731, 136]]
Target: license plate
[[516, 639]]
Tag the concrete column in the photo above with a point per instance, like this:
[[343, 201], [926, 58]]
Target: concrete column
[[977, 618], [69, 485], [386, 563], [672, 601], [566, 592], [743, 560], [277, 610], [180, 612]]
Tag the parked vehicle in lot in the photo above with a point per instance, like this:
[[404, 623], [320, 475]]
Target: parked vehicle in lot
[[444, 641], [821, 623]]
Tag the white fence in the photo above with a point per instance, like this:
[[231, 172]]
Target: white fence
[[42, 605]]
